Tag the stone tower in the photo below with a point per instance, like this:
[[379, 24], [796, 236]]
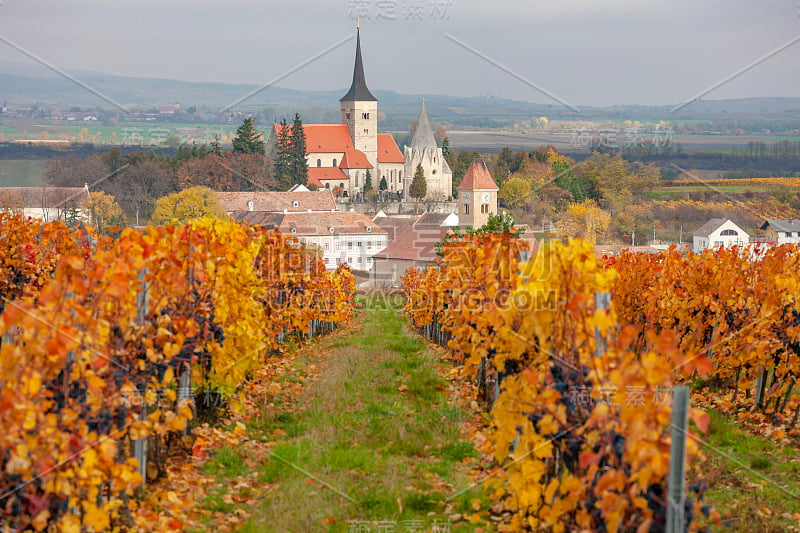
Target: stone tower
[[477, 196], [424, 151], [359, 111]]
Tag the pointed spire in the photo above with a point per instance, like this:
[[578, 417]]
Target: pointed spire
[[423, 134], [358, 90], [477, 177]]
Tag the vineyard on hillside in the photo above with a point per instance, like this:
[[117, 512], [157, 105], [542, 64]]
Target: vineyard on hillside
[[104, 338], [581, 387]]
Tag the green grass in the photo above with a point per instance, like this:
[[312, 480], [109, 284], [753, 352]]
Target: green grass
[[748, 473], [387, 448], [21, 172]]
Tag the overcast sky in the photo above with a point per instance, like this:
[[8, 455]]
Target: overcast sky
[[585, 52]]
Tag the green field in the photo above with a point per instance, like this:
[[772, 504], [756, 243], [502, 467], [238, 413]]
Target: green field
[[147, 133], [21, 172]]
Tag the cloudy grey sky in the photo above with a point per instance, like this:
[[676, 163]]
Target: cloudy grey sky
[[587, 52]]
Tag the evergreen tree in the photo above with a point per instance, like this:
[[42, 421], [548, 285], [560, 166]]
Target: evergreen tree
[[216, 146], [419, 186], [368, 183], [446, 148], [297, 144], [383, 185], [283, 157], [248, 140]]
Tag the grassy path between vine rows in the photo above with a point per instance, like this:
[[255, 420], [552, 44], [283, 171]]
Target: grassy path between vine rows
[[377, 442]]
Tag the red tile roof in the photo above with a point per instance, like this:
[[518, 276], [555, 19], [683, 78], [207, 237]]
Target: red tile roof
[[316, 174], [414, 244], [49, 197], [316, 224], [394, 226], [274, 201], [354, 159], [259, 218], [388, 152], [342, 222], [325, 138], [477, 178]]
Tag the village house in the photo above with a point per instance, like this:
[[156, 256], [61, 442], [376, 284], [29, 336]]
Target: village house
[[719, 232], [349, 238], [49, 203], [412, 243], [782, 231], [294, 201]]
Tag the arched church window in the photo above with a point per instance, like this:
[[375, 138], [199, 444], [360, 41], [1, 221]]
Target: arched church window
[[319, 163], [729, 232], [334, 162], [327, 185], [433, 171]]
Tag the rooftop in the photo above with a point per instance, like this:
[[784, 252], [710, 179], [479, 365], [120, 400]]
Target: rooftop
[[477, 177]]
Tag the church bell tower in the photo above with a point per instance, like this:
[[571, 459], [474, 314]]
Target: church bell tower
[[359, 111]]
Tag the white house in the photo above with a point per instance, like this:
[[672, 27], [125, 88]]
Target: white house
[[718, 232], [783, 231], [49, 203], [343, 236]]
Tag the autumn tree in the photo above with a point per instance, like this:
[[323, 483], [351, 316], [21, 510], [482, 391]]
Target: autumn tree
[[514, 192], [74, 172], [188, 204], [104, 211], [579, 187], [11, 202], [617, 183], [136, 187], [419, 186], [233, 171], [248, 139], [585, 220]]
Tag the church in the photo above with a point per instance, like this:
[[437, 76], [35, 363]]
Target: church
[[341, 156]]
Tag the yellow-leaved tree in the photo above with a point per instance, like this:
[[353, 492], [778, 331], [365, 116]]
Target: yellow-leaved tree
[[104, 211], [585, 220], [186, 205], [515, 192]]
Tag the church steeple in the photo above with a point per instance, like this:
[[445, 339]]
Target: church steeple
[[423, 134], [358, 90]]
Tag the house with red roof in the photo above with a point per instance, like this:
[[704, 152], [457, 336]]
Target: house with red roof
[[296, 201], [344, 237], [341, 156]]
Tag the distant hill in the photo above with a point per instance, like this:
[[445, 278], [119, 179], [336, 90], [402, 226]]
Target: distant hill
[[26, 84]]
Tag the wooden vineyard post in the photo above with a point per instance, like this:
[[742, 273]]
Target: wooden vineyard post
[[760, 384], [185, 380], [140, 445], [602, 302], [676, 484]]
